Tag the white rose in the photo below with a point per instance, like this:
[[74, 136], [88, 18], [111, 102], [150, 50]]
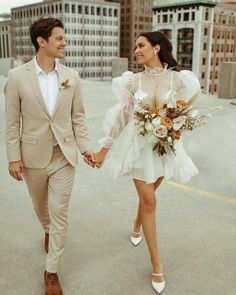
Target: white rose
[[156, 122], [141, 123], [149, 126], [160, 131]]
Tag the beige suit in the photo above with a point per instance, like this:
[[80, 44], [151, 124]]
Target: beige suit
[[33, 144], [30, 130]]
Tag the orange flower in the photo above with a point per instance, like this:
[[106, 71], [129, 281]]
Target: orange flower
[[154, 111], [181, 104], [176, 134], [166, 121]]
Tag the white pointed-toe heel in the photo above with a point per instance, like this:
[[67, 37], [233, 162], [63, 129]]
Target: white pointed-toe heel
[[158, 286], [136, 241]]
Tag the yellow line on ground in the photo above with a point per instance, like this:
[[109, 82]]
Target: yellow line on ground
[[203, 193]]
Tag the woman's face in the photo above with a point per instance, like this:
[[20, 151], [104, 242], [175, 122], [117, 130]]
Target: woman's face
[[145, 52]]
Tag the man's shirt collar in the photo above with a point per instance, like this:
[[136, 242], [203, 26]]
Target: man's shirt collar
[[40, 71]]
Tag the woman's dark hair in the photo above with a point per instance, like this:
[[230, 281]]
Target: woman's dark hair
[[43, 28], [165, 53]]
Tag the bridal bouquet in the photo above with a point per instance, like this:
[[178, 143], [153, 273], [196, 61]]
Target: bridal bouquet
[[163, 125]]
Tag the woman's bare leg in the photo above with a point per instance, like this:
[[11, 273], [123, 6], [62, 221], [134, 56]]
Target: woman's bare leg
[[138, 221], [147, 202], [158, 182]]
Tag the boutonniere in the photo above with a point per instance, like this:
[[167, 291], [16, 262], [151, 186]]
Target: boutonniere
[[66, 84]]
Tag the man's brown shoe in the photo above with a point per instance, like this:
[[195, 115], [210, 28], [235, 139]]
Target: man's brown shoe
[[46, 241], [52, 285]]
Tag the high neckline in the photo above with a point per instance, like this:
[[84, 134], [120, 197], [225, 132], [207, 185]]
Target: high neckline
[[156, 70]]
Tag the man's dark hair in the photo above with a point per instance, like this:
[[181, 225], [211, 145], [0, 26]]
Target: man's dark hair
[[43, 28]]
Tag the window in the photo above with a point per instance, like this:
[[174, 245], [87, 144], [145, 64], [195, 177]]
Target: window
[[67, 8], [164, 18], [186, 16]]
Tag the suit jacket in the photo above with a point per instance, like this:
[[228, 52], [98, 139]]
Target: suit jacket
[[29, 127]]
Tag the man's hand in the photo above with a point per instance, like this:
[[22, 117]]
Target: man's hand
[[16, 170], [89, 158]]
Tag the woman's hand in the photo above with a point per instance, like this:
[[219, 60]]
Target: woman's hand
[[100, 157]]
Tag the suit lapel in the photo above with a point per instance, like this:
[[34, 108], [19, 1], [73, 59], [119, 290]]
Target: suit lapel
[[61, 78], [32, 75]]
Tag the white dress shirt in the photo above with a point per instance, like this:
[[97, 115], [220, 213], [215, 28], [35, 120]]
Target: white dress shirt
[[49, 86]]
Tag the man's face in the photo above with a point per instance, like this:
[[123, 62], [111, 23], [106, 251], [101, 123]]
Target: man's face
[[54, 47]]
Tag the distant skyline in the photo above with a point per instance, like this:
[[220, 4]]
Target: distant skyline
[[6, 5]]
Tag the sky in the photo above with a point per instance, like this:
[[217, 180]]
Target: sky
[[6, 5]]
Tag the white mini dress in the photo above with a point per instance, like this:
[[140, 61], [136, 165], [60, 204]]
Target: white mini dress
[[131, 154]]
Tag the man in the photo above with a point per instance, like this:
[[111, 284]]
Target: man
[[44, 125]]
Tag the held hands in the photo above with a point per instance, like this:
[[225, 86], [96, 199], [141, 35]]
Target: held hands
[[16, 170], [89, 158], [95, 159], [100, 157]]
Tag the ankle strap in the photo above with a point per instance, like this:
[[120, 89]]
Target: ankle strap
[[136, 233], [157, 274]]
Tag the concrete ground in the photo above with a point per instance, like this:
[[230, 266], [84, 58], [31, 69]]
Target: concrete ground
[[196, 221]]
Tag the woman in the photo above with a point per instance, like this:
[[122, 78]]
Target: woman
[[128, 153]]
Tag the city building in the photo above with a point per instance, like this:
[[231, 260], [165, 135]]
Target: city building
[[5, 38], [136, 17], [202, 33], [92, 32]]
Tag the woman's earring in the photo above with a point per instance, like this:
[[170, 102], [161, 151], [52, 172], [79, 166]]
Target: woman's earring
[[155, 52]]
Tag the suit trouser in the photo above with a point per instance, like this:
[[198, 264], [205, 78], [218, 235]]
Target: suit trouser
[[50, 190]]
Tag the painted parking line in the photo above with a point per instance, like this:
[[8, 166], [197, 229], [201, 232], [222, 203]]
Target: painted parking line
[[203, 193]]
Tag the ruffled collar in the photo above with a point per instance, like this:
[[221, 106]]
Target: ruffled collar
[[155, 71]]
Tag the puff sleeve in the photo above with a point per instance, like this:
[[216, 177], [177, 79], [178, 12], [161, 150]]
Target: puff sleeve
[[118, 116], [188, 85]]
